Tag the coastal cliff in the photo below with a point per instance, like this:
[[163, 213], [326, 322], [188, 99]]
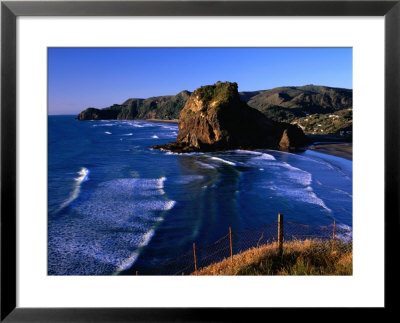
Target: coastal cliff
[[215, 118], [165, 107]]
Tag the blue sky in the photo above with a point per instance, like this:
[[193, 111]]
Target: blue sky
[[99, 77]]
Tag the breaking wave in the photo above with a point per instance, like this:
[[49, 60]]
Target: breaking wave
[[291, 182], [83, 177], [106, 231], [223, 161]]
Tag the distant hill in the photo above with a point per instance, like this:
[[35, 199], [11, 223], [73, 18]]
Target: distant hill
[[292, 104]]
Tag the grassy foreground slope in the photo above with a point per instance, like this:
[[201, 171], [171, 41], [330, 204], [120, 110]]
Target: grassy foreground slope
[[309, 257]]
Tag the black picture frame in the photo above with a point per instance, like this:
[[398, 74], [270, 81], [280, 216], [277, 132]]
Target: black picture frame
[[10, 10]]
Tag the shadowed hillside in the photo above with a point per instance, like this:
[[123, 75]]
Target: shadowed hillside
[[161, 107]]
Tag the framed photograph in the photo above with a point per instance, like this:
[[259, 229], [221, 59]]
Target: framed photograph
[[182, 160]]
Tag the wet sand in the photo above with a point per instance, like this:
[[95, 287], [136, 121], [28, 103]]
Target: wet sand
[[344, 150]]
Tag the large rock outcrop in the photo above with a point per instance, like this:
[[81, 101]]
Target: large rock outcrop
[[215, 118]]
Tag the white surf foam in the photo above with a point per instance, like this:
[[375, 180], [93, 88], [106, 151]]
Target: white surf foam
[[298, 175], [223, 161], [188, 179], [167, 152], [344, 232], [102, 124], [264, 156], [169, 205], [205, 165], [160, 185], [107, 230], [250, 152], [108, 133], [169, 127], [343, 192], [142, 124], [127, 263], [290, 181], [155, 137], [83, 177]]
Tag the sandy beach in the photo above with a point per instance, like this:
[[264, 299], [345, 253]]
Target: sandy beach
[[344, 150]]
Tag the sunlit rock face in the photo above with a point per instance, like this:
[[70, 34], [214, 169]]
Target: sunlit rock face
[[214, 118]]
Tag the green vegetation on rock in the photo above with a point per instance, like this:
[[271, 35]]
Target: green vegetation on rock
[[220, 91]]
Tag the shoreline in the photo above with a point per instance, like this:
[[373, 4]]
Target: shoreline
[[334, 148], [159, 120], [343, 150]]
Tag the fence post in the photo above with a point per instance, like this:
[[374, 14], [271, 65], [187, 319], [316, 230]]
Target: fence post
[[230, 243], [334, 230], [137, 272], [280, 233], [333, 234], [195, 260]]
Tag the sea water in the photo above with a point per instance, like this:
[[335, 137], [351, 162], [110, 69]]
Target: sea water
[[116, 205]]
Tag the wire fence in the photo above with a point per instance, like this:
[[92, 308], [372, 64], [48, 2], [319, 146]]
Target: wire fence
[[234, 243]]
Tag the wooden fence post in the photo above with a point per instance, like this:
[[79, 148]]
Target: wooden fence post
[[333, 234], [230, 243], [195, 260], [280, 233], [334, 230]]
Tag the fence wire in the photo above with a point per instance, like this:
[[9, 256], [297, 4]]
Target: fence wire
[[182, 265], [337, 236]]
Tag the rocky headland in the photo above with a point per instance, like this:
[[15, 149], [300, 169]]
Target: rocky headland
[[165, 107], [215, 118]]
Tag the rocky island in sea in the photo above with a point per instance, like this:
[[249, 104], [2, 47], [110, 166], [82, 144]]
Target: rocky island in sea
[[215, 118]]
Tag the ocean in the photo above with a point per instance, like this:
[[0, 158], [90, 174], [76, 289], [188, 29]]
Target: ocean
[[116, 206]]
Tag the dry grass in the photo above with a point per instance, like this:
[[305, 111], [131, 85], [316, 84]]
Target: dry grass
[[309, 257]]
